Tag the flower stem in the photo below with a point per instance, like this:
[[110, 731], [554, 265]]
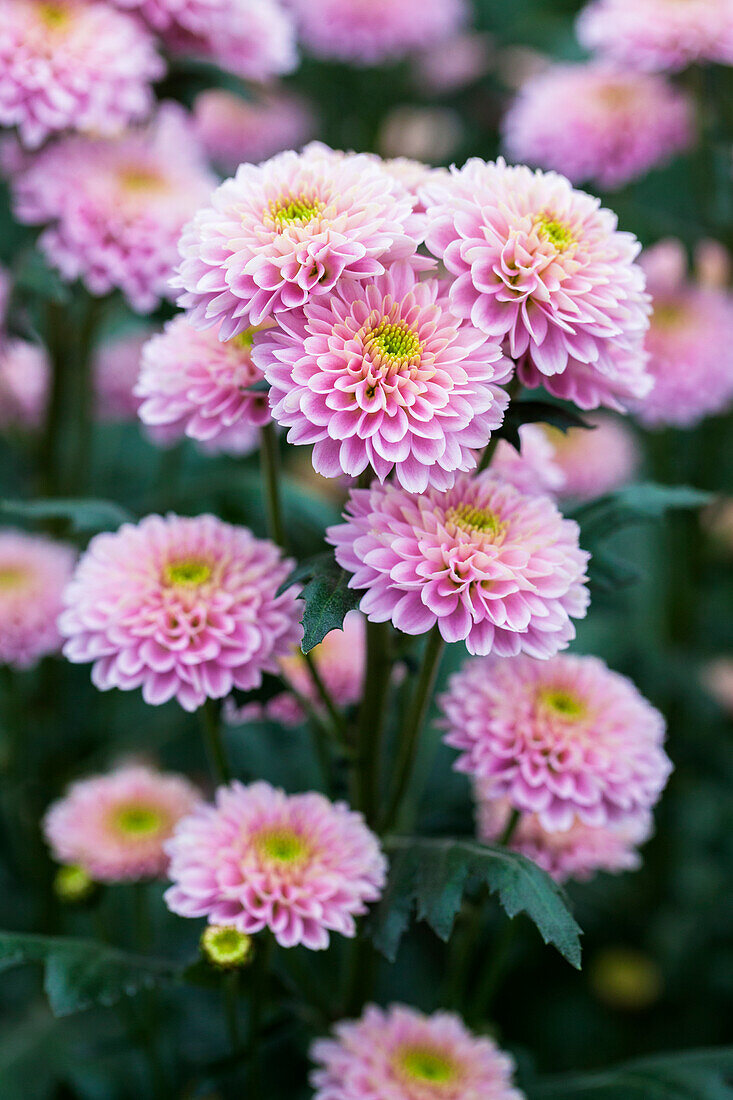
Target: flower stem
[[230, 995], [372, 716], [337, 719], [270, 464], [410, 739], [510, 828], [210, 716]]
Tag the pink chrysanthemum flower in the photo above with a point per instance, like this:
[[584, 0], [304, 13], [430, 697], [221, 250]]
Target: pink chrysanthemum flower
[[286, 231], [234, 130], [371, 32], [563, 738], [490, 566], [400, 1054], [384, 375], [73, 64], [545, 268], [116, 208], [594, 122], [690, 343], [659, 34], [192, 384], [448, 65], [184, 608], [533, 469], [594, 462], [116, 367], [575, 853], [25, 374], [115, 826], [299, 865], [5, 287], [33, 573]]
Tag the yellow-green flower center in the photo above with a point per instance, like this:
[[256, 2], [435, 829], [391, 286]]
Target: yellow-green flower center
[[140, 180], [225, 946], [282, 846], [137, 820], [394, 341], [562, 702], [294, 210], [480, 521], [188, 572], [54, 16], [12, 577], [668, 315], [560, 236], [72, 883], [428, 1066]]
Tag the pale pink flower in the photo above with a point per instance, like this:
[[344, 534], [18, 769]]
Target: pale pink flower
[[718, 679], [297, 864], [234, 130], [489, 565], [5, 287], [659, 34], [383, 374], [595, 122], [563, 738], [690, 343], [596, 461], [116, 367], [184, 608], [545, 268], [116, 208], [533, 469], [448, 65], [286, 231], [575, 853], [115, 826], [398, 1053], [192, 384], [33, 573], [73, 65], [25, 374], [371, 32]]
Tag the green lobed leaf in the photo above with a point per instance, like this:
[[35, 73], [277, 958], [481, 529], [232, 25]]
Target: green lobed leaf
[[82, 516], [691, 1075], [326, 595], [429, 875], [538, 412], [34, 276], [81, 973]]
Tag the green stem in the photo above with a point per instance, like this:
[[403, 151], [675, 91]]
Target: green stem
[[493, 973], [230, 995], [372, 717], [258, 997], [510, 828], [270, 463], [210, 716], [410, 739], [81, 464], [50, 448], [337, 719]]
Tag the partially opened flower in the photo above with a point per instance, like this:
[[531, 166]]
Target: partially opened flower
[[184, 608], [73, 65], [115, 826], [533, 468], [544, 268], [33, 573], [487, 564], [690, 343], [285, 232], [299, 865], [383, 374], [25, 374], [595, 122], [192, 384], [233, 129], [398, 1053], [371, 32], [657, 34], [575, 853], [594, 461], [115, 209], [116, 367], [563, 738]]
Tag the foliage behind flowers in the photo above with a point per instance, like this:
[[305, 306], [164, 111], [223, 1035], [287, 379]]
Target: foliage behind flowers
[[361, 641]]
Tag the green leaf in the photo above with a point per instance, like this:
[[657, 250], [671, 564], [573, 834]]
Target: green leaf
[[81, 973], [636, 504], [431, 874], [34, 276], [535, 412], [326, 595], [82, 516], [692, 1075]]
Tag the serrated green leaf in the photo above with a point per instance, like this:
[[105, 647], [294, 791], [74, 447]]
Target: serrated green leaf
[[81, 973], [82, 516], [429, 875], [538, 412], [693, 1075], [326, 595], [635, 504]]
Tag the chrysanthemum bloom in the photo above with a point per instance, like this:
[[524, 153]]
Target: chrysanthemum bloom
[[183, 608], [658, 34], [383, 374], [33, 573], [234, 130], [545, 268], [116, 208], [690, 343], [286, 231], [595, 461], [372, 32], [485, 562], [24, 380], [115, 826], [398, 1053], [563, 738], [226, 948], [594, 122], [299, 865], [533, 469], [575, 853], [452, 64], [116, 369], [73, 64], [192, 384]]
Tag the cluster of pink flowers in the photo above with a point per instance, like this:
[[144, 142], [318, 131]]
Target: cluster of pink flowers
[[595, 122], [33, 573], [299, 865], [233, 130]]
